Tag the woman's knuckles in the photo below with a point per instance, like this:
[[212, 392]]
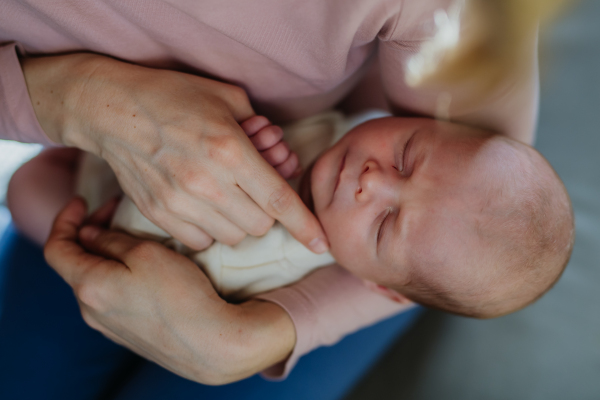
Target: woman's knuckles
[[232, 238], [92, 295], [225, 150], [261, 226], [280, 201], [236, 96], [199, 242]]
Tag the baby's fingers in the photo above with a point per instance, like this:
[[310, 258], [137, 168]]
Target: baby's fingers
[[267, 137], [290, 168], [254, 124], [276, 154]]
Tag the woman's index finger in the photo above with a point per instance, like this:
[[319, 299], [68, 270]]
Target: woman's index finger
[[277, 199]]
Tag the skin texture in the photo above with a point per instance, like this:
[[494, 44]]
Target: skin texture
[[396, 195], [175, 144]]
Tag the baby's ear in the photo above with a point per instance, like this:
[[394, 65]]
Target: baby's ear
[[387, 292]]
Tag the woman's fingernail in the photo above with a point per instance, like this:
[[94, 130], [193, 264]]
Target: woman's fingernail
[[89, 232], [318, 245]]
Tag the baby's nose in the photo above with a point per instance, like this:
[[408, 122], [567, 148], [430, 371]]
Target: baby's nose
[[374, 181]]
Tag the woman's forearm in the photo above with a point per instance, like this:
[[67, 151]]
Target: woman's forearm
[[264, 335]]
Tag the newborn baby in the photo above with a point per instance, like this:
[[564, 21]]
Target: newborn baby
[[451, 217], [448, 216]]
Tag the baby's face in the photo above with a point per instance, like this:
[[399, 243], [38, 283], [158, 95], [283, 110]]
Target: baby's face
[[395, 194]]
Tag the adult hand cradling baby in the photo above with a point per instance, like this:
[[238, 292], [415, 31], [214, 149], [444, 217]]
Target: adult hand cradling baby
[[184, 325], [175, 144]]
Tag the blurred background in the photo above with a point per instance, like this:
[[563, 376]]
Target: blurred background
[[550, 350]]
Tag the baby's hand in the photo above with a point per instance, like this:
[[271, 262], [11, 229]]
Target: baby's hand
[[268, 140]]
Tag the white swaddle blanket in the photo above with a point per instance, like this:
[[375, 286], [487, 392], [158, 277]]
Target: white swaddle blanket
[[256, 264]]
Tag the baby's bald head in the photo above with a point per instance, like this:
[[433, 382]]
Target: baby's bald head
[[514, 243], [447, 215]]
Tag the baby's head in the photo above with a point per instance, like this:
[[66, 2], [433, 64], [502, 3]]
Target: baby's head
[[448, 216]]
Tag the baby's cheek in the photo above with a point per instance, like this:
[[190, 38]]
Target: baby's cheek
[[333, 226], [352, 259], [345, 240]]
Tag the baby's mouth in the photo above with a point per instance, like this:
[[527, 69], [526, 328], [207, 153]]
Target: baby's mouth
[[304, 190]]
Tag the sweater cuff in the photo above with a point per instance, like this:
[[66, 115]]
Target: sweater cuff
[[325, 306], [17, 117], [298, 307]]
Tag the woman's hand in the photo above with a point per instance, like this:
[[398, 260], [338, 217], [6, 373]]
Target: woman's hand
[[175, 144], [160, 305]]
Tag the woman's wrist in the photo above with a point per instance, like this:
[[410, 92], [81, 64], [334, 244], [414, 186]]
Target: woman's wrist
[[53, 87], [274, 334], [261, 334]]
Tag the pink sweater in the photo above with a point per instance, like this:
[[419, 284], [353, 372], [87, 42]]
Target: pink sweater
[[294, 59]]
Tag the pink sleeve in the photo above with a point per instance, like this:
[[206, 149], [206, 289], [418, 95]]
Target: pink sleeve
[[326, 306], [17, 118]]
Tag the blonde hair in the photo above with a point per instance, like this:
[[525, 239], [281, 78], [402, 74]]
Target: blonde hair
[[499, 32]]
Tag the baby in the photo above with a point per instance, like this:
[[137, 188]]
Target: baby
[[451, 217]]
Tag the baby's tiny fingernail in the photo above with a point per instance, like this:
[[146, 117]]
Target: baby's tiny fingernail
[[318, 245], [89, 232]]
